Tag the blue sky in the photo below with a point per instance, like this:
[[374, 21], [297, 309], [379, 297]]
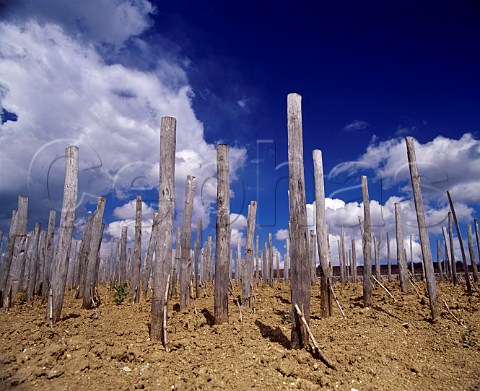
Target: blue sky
[[101, 75]]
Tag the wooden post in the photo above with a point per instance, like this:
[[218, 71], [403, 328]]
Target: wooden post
[[341, 256], [472, 253], [49, 253], [257, 260], [460, 240], [401, 259], [185, 263], [313, 254], [422, 229], [300, 263], [59, 266], [270, 260], [147, 268], [389, 262], [32, 254], [238, 262], [286, 264], [208, 261], [412, 264], [7, 258], [367, 245], [249, 255], [176, 261], [166, 210], [452, 249], [447, 251], [475, 222], [42, 246], [137, 251], [91, 270], [378, 267], [123, 256], [354, 262], [265, 263], [196, 250], [439, 260], [223, 236]]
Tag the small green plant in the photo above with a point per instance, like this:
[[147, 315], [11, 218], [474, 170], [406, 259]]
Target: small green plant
[[468, 337], [120, 293]]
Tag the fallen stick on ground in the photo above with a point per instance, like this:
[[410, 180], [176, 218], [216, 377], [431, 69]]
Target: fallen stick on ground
[[386, 290], [454, 317], [312, 338], [336, 300]]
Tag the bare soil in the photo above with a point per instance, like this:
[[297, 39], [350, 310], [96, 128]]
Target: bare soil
[[392, 345]]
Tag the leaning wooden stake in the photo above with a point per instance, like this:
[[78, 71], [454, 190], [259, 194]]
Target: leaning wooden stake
[[423, 232], [300, 263], [312, 338], [60, 264], [367, 246], [166, 209], [223, 237], [336, 301], [460, 240], [452, 249], [384, 288]]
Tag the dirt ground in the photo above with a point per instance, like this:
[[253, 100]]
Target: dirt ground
[[390, 346]]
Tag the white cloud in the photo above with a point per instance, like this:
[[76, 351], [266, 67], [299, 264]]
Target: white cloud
[[128, 210], [281, 234], [238, 221], [64, 93], [356, 125]]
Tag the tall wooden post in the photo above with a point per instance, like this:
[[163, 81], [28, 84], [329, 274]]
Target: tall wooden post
[[460, 240], [452, 249], [91, 270], [401, 259], [422, 229], [341, 256], [176, 259], [354, 262], [185, 263], [265, 263], [270, 260], [166, 209], [123, 257], [412, 264], [32, 254], [389, 262], [378, 267], [249, 254], [472, 253], [475, 222], [447, 251], [147, 267], [367, 245], [300, 263], [196, 250], [223, 236], [286, 263], [439, 260], [49, 253], [313, 254], [257, 260], [59, 266], [137, 251]]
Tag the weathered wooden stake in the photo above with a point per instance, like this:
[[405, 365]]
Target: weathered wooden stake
[[196, 250], [389, 262], [247, 282], [137, 252], [223, 236], [341, 256], [452, 249], [422, 229], [472, 253], [367, 245], [91, 269], [439, 260], [166, 209], [147, 267], [460, 241], [300, 263], [186, 260], [32, 254], [59, 266]]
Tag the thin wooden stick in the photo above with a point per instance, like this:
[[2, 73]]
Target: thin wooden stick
[[193, 296], [312, 338], [165, 309], [254, 299], [51, 308], [336, 300], [454, 317], [386, 290], [240, 315]]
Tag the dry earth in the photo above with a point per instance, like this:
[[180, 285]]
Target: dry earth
[[389, 346]]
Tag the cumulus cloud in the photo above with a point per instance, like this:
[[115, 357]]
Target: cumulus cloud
[[281, 234], [56, 79]]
